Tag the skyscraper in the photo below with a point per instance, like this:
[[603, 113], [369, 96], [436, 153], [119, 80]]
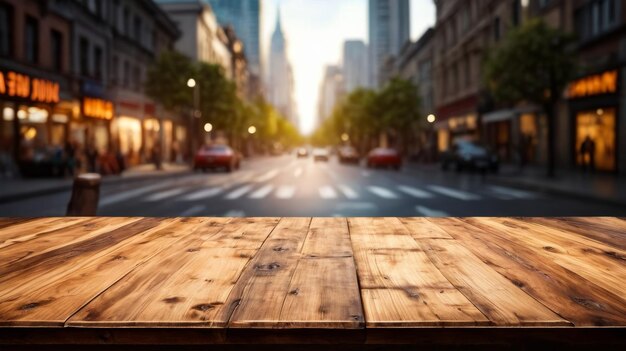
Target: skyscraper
[[244, 16], [331, 91], [355, 68], [280, 89], [389, 30]]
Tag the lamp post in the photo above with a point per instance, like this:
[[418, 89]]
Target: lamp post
[[195, 114], [431, 135]]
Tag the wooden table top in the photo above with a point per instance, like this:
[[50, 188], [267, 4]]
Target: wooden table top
[[364, 274]]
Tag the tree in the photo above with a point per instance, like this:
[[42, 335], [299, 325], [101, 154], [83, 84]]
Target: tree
[[534, 63], [400, 109], [167, 80]]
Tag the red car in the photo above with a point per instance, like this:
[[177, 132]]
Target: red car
[[216, 156], [384, 157]]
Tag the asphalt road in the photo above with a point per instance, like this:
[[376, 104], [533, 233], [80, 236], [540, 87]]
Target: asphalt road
[[286, 186]]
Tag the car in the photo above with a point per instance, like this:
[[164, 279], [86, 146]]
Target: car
[[348, 154], [217, 156], [321, 154], [384, 157], [470, 155], [302, 152]]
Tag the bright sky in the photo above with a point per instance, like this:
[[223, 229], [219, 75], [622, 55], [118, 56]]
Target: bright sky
[[316, 30]]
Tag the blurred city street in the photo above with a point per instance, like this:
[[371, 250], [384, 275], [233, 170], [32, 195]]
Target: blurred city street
[[286, 186]]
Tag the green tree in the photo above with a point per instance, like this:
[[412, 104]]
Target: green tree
[[398, 104], [167, 80], [534, 63]]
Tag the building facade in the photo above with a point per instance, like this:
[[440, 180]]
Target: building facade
[[280, 84], [355, 65], [389, 29], [331, 91]]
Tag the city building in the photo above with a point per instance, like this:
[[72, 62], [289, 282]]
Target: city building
[[389, 29], [331, 91], [280, 84], [355, 65], [238, 64], [202, 38]]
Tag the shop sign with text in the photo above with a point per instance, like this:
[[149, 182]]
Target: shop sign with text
[[22, 86], [97, 108], [597, 84]]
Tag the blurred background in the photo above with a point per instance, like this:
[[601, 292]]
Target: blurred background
[[314, 107]]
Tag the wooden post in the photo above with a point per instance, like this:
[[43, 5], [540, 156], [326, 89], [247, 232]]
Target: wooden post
[[85, 195]]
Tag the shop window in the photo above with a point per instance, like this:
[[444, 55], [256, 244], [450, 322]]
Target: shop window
[[443, 140], [56, 50], [129, 135], [31, 40], [6, 28], [598, 128]]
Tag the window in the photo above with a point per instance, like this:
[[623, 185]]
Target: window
[[83, 56], [137, 28], [31, 40], [596, 18], [98, 10], [97, 56], [126, 77], [136, 78], [516, 13], [114, 70], [56, 50], [115, 13], [6, 25], [126, 23], [496, 29], [544, 3]]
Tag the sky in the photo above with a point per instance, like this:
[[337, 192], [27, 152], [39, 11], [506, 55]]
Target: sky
[[315, 32]]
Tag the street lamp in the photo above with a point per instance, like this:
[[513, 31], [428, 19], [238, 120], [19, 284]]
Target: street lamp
[[208, 127], [345, 137], [431, 118], [251, 130], [191, 82]]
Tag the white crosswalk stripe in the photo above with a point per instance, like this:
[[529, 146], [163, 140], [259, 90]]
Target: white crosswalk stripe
[[425, 211], [234, 213], [267, 176], [382, 192], [237, 193], [202, 194], [327, 192], [285, 192], [512, 193], [420, 194], [165, 194], [298, 172], [348, 192], [263, 192], [195, 210], [454, 193], [126, 195]]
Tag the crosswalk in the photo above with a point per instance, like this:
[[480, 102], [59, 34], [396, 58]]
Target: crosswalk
[[254, 190]]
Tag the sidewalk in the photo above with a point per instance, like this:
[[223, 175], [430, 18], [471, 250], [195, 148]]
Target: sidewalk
[[17, 189], [574, 183]]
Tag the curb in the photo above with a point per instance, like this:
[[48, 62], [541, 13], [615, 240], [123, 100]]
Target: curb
[[68, 186], [555, 191]]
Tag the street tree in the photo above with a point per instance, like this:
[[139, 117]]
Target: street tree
[[534, 63], [166, 80]]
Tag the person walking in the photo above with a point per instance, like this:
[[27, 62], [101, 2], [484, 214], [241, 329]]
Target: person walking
[[588, 151]]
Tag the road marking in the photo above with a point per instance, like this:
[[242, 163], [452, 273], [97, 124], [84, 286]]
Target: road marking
[[285, 192], [165, 194], [298, 172], [202, 194], [361, 206], [327, 192], [348, 192], [382, 192], [263, 192], [193, 211], [125, 195], [457, 194], [237, 193], [514, 193], [420, 194], [234, 213], [267, 176], [430, 212]]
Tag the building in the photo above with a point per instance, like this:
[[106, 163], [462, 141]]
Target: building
[[280, 84], [245, 17], [415, 63], [389, 29], [202, 39], [238, 64], [355, 65], [331, 91]]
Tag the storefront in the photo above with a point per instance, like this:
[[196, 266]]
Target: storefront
[[594, 110], [456, 128]]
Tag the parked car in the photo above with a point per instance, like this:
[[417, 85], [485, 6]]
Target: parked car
[[384, 157], [348, 154], [302, 152], [321, 154], [469, 155], [217, 156]]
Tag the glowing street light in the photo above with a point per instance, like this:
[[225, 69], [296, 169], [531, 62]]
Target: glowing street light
[[345, 137], [431, 118], [191, 83], [251, 130], [208, 127]]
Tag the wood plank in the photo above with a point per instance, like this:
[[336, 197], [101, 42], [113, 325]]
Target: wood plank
[[11, 221], [56, 284], [422, 228], [324, 291], [44, 242], [185, 285], [608, 230], [603, 265], [400, 287], [259, 294], [494, 295], [243, 233], [20, 232], [563, 291]]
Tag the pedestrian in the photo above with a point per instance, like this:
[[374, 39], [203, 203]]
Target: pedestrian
[[156, 156], [91, 155], [588, 151], [70, 158]]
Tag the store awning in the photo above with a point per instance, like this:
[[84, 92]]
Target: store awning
[[499, 116]]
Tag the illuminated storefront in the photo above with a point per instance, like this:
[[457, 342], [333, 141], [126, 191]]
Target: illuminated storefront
[[456, 128], [594, 110]]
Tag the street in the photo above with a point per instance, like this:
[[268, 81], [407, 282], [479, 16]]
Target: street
[[286, 186]]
